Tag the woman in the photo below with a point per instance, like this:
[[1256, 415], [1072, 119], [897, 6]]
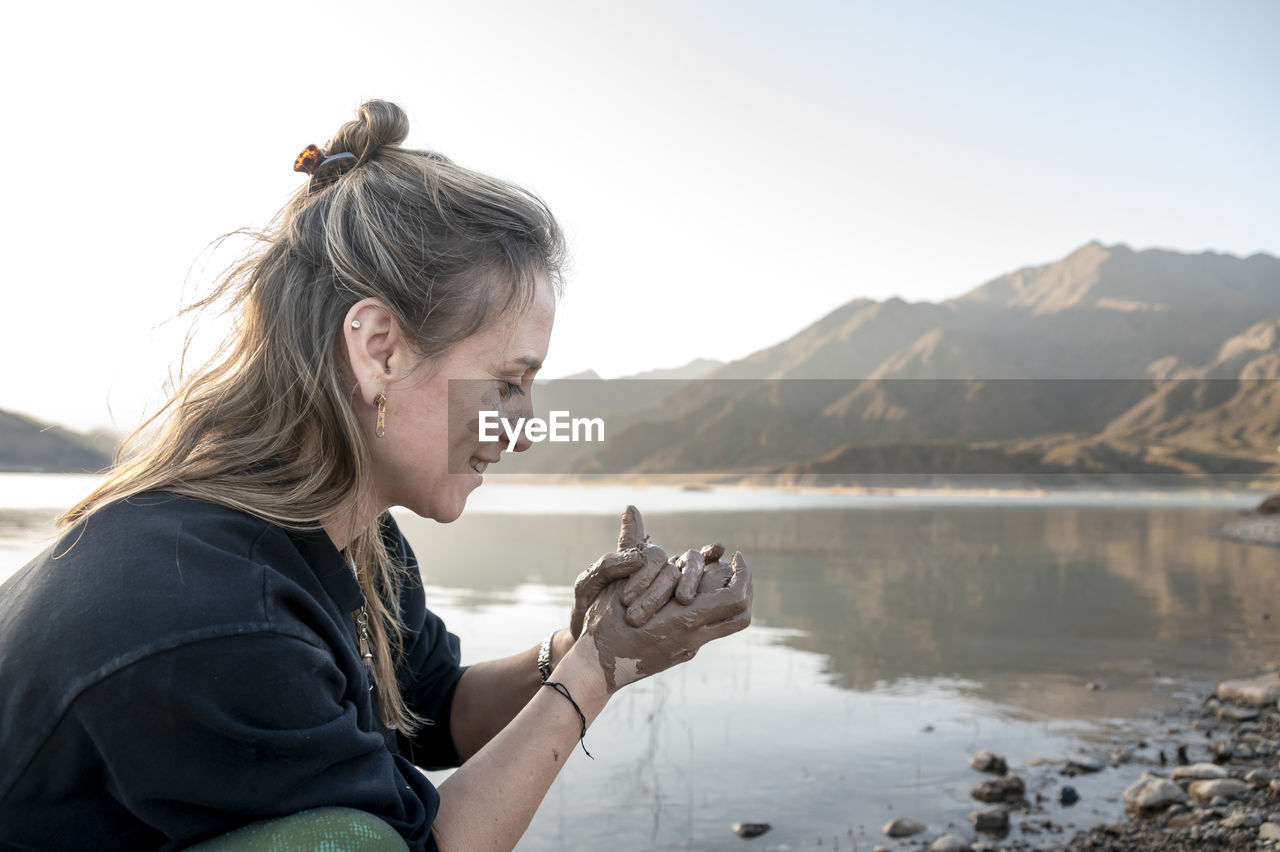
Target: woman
[[232, 628]]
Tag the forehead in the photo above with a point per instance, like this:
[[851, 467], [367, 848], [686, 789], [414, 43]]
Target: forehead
[[522, 333]]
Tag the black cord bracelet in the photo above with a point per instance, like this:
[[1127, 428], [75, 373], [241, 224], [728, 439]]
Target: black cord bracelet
[[564, 690]]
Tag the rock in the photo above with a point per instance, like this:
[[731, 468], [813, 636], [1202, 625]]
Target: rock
[[903, 827], [1095, 686], [983, 846], [750, 829], [1269, 506], [1208, 790], [991, 820], [1007, 788], [1258, 691], [1150, 792], [1198, 771], [1219, 802], [949, 843], [1242, 819], [1269, 831], [1121, 756], [1275, 786], [988, 761], [1082, 765], [1258, 778], [1068, 796], [1231, 713], [1250, 728], [1242, 751]]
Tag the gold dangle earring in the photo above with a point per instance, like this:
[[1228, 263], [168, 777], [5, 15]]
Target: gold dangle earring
[[381, 401]]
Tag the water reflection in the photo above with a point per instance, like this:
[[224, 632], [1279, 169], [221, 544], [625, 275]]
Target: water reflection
[[1034, 601]]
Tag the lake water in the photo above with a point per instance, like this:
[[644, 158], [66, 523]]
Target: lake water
[[893, 636]]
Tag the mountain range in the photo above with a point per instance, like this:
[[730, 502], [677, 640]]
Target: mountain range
[[1107, 361]]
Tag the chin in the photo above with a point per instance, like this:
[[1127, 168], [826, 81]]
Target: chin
[[444, 511]]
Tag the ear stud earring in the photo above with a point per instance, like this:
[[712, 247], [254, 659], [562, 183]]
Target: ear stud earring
[[355, 323]]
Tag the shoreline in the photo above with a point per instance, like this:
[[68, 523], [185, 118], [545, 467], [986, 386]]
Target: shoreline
[[1227, 748]]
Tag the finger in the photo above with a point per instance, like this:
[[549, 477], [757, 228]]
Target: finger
[[690, 564], [729, 626], [712, 552], [655, 596], [632, 532], [728, 602], [654, 558], [715, 575], [606, 569]]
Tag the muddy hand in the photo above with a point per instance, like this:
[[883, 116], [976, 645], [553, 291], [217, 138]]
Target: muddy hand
[[676, 631], [683, 575], [612, 566], [692, 564]]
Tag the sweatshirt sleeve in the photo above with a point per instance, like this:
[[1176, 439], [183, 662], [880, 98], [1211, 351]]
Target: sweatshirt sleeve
[[215, 734]]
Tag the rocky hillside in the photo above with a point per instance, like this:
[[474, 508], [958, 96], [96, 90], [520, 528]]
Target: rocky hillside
[[29, 446], [1109, 360]]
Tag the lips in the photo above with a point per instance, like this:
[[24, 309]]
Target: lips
[[479, 465]]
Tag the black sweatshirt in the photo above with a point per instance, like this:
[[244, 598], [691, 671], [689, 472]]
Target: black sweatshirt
[[172, 669]]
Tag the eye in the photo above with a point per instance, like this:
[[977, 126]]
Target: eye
[[509, 390]]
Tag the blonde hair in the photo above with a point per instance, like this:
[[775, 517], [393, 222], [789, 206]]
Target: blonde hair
[[268, 426]]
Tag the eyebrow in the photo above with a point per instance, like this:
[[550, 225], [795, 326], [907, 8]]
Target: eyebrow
[[532, 363]]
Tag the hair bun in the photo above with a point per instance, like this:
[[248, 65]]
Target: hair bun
[[378, 123]]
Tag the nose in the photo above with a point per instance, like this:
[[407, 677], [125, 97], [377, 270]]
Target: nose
[[513, 418]]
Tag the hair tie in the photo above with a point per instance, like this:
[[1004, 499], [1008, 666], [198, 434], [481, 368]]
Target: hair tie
[[323, 168]]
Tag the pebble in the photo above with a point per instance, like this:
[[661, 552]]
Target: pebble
[[1242, 819], [1242, 751], [1208, 790], [1220, 802], [1150, 792], [1258, 778], [1250, 728], [1068, 796], [1258, 691], [1007, 788], [903, 827], [1199, 771], [1232, 713], [750, 829], [949, 843], [1275, 786], [1269, 831], [988, 761], [994, 820], [1082, 765], [1121, 756]]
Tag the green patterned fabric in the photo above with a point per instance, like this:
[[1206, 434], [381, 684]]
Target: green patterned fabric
[[319, 830]]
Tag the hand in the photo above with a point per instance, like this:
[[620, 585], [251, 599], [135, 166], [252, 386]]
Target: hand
[[612, 566], [650, 588], [675, 632]]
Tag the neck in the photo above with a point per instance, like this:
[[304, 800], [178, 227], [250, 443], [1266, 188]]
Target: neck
[[346, 523]]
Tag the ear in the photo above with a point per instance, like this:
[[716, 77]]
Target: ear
[[376, 348]]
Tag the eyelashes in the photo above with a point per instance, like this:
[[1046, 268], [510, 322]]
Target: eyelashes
[[509, 390]]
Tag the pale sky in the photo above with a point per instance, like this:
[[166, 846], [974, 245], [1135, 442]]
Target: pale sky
[[727, 172]]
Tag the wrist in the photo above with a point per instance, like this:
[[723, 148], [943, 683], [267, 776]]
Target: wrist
[[561, 642], [581, 668]]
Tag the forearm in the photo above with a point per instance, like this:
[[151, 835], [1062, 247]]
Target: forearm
[[489, 802], [490, 694]]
